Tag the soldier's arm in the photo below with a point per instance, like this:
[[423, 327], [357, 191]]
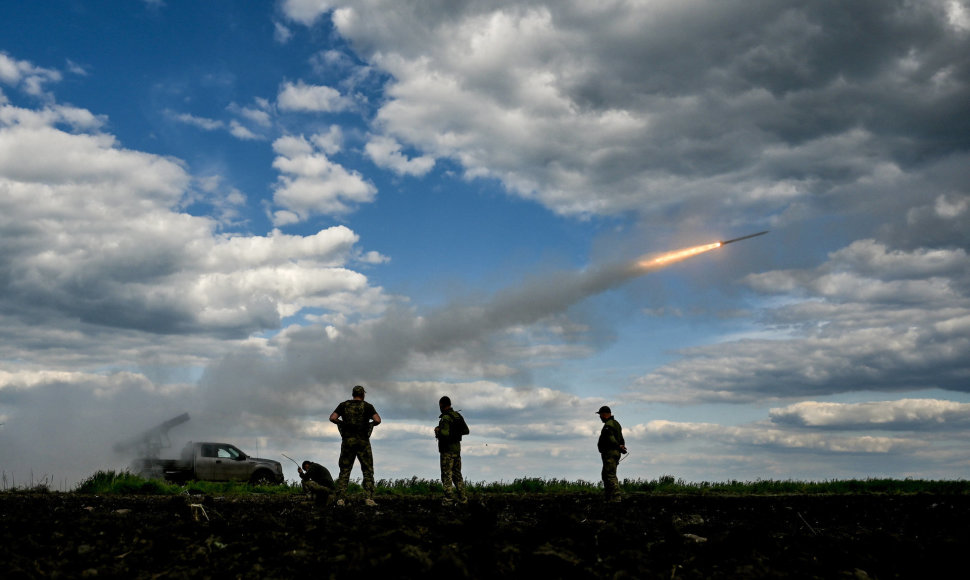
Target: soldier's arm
[[376, 419], [335, 418], [619, 438]]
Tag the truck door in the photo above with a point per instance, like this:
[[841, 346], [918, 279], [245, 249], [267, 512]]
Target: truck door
[[230, 464], [205, 462]]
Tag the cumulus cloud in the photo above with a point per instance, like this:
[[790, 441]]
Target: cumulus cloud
[[99, 237], [114, 298], [305, 12], [301, 97], [870, 318], [25, 75], [903, 414], [258, 114], [916, 437], [281, 33], [310, 183], [200, 122], [386, 152], [757, 436], [234, 127], [637, 102]]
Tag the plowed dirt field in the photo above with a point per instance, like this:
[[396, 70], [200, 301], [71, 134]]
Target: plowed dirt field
[[66, 535]]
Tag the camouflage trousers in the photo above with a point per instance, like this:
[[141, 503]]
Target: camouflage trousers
[[356, 448], [611, 485], [451, 478], [321, 494]]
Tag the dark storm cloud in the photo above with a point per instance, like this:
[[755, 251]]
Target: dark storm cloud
[[649, 105]]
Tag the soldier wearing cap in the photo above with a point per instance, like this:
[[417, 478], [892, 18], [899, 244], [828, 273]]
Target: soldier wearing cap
[[611, 445], [355, 419], [451, 428]]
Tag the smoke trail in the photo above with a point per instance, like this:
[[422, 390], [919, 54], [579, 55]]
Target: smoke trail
[[539, 299], [319, 364]]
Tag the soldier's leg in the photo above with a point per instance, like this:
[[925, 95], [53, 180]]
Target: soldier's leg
[[605, 475], [457, 478], [447, 465], [346, 463], [366, 458], [320, 493], [611, 485]]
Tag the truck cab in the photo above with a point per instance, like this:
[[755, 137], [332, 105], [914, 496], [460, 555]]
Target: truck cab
[[223, 462], [210, 461]]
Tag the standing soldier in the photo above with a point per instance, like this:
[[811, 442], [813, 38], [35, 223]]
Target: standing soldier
[[451, 427], [610, 445], [355, 419]]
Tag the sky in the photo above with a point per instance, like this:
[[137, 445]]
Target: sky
[[240, 210]]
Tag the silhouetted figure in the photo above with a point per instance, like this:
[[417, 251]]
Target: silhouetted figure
[[355, 419], [611, 445], [451, 427]]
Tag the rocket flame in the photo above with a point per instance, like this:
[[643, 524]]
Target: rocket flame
[[675, 256]]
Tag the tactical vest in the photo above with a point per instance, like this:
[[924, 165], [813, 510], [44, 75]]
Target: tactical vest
[[356, 423]]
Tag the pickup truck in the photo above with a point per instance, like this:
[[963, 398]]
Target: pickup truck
[[206, 461]]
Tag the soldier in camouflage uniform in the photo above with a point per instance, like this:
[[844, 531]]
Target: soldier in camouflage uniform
[[355, 419], [317, 481], [610, 445], [449, 433]]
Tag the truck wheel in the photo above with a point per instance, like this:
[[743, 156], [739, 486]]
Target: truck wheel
[[263, 478]]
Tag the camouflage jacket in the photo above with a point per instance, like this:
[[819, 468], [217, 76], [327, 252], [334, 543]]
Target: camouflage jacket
[[611, 437], [448, 440], [318, 473], [355, 418]]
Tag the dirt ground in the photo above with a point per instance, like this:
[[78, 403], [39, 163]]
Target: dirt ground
[[65, 535]]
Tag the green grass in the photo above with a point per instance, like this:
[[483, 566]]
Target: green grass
[[111, 482], [124, 483]]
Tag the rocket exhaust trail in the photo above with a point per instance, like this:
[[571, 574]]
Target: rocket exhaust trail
[[646, 264], [529, 302]]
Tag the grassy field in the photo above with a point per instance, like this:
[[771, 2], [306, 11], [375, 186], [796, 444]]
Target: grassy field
[[111, 482], [117, 525]]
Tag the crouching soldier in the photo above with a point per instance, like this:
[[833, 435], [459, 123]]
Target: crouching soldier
[[317, 481]]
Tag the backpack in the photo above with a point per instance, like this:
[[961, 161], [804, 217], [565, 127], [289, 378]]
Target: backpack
[[459, 427]]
